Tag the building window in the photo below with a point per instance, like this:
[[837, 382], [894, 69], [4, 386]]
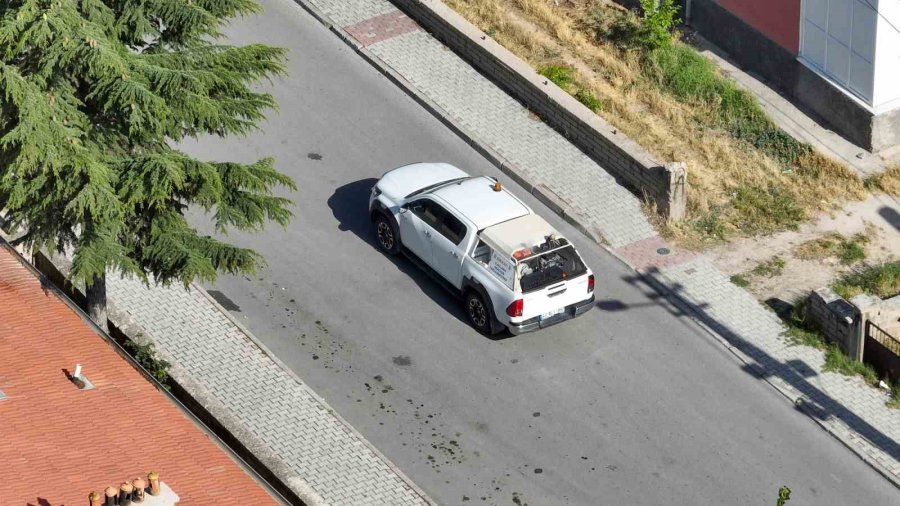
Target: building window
[[838, 38]]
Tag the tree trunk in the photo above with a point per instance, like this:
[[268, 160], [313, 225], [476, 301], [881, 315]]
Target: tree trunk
[[96, 301]]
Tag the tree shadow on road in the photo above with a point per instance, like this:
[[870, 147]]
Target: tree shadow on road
[[794, 373], [349, 205]]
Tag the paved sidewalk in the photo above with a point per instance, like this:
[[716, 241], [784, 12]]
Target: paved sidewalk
[[207, 348], [850, 410]]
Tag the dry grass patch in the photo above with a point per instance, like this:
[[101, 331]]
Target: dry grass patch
[[886, 182], [747, 177], [848, 250]]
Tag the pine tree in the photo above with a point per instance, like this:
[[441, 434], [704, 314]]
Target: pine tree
[[93, 96]]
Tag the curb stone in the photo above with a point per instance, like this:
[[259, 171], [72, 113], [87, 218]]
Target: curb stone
[[347, 427], [582, 225], [797, 399]]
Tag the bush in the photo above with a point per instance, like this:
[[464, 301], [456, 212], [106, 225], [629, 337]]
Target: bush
[[145, 354], [657, 23]]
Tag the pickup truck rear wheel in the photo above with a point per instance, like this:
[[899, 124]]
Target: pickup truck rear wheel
[[478, 312], [386, 235]]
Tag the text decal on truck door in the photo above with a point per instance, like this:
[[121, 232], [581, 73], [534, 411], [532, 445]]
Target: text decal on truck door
[[503, 268]]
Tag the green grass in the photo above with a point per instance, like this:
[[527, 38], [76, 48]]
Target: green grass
[[837, 361], [564, 77], [833, 245], [894, 401], [852, 252], [589, 100], [560, 75], [802, 332], [740, 281], [765, 210], [771, 268], [711, 224], [691, 78], [879, 280]]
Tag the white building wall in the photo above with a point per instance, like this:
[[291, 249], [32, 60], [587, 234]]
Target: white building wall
[[856, 45], [886, 96]]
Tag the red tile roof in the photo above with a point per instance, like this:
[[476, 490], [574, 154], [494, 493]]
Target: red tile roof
[[60, 443]]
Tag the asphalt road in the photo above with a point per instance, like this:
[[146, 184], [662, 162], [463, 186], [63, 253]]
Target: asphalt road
[[630, 404]]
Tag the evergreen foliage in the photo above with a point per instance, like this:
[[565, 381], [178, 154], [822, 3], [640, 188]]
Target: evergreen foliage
[[93, 96]]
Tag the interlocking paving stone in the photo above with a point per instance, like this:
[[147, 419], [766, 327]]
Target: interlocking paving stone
[[283, 413], [348, 12], [381, 28]]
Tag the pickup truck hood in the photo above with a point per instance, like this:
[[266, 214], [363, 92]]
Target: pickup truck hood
[[400, 182]]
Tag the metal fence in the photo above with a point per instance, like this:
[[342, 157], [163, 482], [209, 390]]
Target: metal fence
[[882, 351], [887, 340]]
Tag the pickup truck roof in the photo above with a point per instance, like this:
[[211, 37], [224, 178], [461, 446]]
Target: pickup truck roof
[[476, 199], [513, 235]]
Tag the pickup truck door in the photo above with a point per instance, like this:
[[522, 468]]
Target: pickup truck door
[[446, 249], [415, 231]]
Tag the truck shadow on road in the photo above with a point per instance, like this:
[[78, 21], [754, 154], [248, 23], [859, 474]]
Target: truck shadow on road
[[349, 205], [814, 402]]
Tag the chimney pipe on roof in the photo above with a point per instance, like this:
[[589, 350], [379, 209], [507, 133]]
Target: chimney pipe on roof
[[139, 486], [94, 498], [125, 491], [111, 493], [153, 478]]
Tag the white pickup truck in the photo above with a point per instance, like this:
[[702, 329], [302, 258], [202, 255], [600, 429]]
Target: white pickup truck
[[514, 270]]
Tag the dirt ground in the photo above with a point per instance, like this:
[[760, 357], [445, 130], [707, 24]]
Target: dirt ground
[[878, 218]]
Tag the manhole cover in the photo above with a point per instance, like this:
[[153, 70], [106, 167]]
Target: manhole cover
[[663, 251]]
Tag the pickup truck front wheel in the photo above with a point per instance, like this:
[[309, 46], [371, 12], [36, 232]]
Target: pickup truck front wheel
[[386, 235], [478, 312]]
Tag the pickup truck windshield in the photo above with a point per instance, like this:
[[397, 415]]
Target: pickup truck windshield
[[551, 267]]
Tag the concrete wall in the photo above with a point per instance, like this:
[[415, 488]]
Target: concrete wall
[[755, 52], [663, 184], [837, 319]]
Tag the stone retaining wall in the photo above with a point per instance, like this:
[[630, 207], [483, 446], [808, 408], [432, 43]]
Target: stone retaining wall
[[664, 185]]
